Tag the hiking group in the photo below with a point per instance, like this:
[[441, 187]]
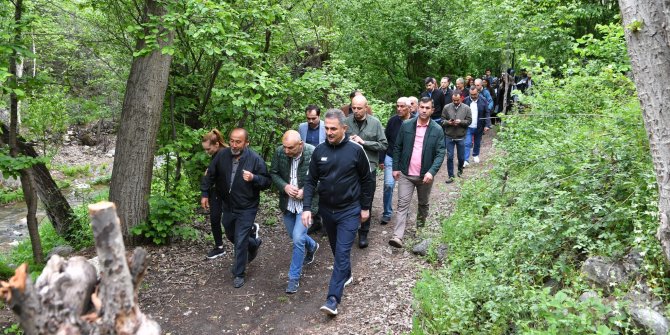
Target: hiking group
[[326, 171]]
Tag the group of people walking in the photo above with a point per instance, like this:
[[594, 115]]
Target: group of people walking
[[326, 173]]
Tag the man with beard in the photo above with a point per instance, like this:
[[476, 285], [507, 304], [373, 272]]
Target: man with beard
[[239, 175], [391, 132]]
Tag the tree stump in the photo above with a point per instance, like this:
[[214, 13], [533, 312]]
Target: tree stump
[[68, 298]]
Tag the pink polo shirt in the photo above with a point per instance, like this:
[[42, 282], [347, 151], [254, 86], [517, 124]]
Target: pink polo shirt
[[417, 150]]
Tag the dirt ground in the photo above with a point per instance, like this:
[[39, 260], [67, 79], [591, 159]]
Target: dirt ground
[[189, 294]]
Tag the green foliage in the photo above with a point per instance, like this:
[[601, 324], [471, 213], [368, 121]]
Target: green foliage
[[574, 179], [15, 328], [23, 253], [5, 271], [75, 171], [12, 166], [8, 195]]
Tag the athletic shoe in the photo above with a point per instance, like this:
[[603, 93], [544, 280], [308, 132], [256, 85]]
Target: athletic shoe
[[309, 257], [351, 279], [385, 220], [255, 229], [395, 242], [466, 164], [449, 180], [476, 159], [216, 252], [238, 282], [330, 307], [293, 285], [254, 252]]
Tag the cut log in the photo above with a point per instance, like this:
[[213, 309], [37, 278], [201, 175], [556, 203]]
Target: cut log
[[68, 298]]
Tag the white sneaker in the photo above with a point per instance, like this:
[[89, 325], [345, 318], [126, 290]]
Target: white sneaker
[[476, 158], [466, 164]]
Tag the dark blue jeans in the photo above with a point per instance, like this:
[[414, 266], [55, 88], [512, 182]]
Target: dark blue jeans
[[365, 226], [460, 151], [215, 209], [237, 224], [341, 228]]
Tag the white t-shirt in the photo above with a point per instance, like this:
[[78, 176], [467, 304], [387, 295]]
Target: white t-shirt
[[475, 114]]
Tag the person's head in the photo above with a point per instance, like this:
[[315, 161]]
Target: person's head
[[402, 107], [469, 81], [292, 143], [239, 139], [474, 93], [444, 82], [487, 72], [354, 93], [478, 84], [425, 109], [359, 106], [313, 112], [335, 127], [413, 104], [485, 83], [213, 141], [456, 97], [430, 84], [460, 84]]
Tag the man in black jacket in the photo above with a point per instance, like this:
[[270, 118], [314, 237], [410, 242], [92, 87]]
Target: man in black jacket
[[240, 169], [437, 96], [341, 169]]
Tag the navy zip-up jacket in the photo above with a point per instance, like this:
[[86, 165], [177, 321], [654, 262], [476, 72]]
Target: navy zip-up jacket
[[342, 173], [246, 195]]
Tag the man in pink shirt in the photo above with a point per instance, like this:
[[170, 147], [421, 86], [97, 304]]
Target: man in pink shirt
[[418, 155]]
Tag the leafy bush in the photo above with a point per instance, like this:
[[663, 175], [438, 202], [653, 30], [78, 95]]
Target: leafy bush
[[8, 195], [572, 178]]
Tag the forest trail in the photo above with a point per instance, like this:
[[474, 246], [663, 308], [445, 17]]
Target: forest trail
[[188, 294]]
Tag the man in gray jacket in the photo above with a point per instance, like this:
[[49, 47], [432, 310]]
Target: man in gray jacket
[[456, 117], [367, 131]]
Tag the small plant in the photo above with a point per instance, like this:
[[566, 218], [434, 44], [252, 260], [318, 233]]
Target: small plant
[[76, 171], [15, 329], [165, 215], [8, 196]]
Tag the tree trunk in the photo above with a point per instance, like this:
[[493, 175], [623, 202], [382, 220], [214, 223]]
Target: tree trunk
[[58, 209], [67, 297], [30, 196], [140, 118], [647, 26]]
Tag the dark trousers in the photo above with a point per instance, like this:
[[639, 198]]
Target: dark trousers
[[215, 210], [341, 228], [460, 151], [365, 226], [237, 224]]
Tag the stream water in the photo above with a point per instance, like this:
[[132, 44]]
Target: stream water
[[13, 228]]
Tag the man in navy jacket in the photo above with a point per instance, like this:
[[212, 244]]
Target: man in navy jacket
[[481, 123]]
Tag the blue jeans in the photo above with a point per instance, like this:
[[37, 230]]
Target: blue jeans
[[389, 183], [341, 227], [460, 151], [476, 134], [301, 242], [237, 224]]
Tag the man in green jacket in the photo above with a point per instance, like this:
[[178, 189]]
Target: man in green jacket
[[418, 155], [367, 131], [290, 165]]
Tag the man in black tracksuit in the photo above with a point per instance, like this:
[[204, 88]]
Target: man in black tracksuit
[[341, 170], [239, 175]]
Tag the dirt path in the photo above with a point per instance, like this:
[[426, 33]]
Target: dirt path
[[188, 294]]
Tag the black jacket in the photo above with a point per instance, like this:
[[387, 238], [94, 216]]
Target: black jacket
[[438, 102], [242, 194], [342, 172]]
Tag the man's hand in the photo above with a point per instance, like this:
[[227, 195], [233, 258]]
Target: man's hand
[[357, 139], [204, 202], [247, 176], [486, 130], [365, 214], [300, 194], [291, 190], [427, 178], [396, 175], [307, 218], [457, 122]]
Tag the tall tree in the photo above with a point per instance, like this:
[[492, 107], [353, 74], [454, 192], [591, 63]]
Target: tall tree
[[140, 118], [647, 28]]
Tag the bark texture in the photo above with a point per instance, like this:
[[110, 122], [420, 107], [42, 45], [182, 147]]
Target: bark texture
[[140, 118], [647, 29], [68, 297]]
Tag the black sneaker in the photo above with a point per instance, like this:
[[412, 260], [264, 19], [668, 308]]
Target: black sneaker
[[216, 252], [254, 252], [309, 257], [330, 307], [450, 180], [385, 220], [238, 282], [293, 285]]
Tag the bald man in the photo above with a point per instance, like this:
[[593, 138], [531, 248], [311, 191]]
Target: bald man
[[288, 171], [367, 131], [239, 175]]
